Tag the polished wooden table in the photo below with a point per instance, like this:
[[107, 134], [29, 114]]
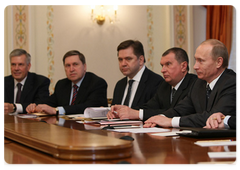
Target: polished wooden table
[[146, 148]]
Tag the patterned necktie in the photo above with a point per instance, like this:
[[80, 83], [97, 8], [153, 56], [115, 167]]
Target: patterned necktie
[[19, 86], [126, 102], [75, 87], [208, 92], [173, 93]]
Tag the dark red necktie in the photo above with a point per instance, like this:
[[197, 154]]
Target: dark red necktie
[[19, 85], [74, 94]]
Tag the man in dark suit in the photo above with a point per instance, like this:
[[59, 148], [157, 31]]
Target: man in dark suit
[[33, 88], [75, 93], [177, 83], [144, 82], [213, 91]]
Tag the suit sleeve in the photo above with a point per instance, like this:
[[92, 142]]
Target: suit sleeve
[[224, 102], [232, 122], [41, 92], [96, 97]]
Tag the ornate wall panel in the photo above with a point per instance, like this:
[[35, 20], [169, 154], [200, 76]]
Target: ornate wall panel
[[50, 42], [21, 27], [180, 27], [150, 51]]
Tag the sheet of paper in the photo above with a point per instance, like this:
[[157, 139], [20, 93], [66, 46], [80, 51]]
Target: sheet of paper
[[91, 112], [222, 154], [173, 133], [142, 130], [217, 162], [27, 116], [116, 122], [215, 143]]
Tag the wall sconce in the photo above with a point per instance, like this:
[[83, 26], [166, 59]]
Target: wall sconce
[[100, 13]]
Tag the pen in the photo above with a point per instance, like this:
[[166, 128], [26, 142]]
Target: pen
[[216, 118]]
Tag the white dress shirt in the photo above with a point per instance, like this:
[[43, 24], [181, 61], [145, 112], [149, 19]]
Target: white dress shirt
[[61, 110], [135, 84], [19, 108], [141, 111], [176, 120]]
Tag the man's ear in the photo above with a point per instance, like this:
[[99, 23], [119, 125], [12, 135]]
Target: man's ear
[[219, 62], [141, 58], [184, 66]]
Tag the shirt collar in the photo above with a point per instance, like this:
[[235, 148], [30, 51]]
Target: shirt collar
[[179, 83], [79, 83], [138, 76], [22, 82], [212, 84]]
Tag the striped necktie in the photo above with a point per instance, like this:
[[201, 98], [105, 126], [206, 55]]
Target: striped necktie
[[75, 87]]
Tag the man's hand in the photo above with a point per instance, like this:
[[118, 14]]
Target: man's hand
[[8, 108], [123, 112], [46, 109], [159, 120], [31, 108], [215, 121]]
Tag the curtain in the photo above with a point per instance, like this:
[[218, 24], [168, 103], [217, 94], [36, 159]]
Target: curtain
[[219, 24]]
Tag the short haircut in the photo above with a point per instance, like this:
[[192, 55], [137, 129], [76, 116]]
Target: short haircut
[[18, 52], [74, 52], [180, 55], [136, 45], [218, 50]]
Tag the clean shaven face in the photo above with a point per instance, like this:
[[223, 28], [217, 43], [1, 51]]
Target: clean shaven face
[[74, 68]]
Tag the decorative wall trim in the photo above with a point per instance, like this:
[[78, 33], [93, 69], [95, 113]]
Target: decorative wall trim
[[20, 27], [150, 51], [180, 26], [50, 51]]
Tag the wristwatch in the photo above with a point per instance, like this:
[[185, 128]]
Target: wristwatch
[[14, 108], [57, 111]]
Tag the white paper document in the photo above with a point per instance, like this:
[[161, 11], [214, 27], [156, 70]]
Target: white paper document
[[222, 154], [92, 112], [173, 133], [141, 130], [27, 116], [215, 143]]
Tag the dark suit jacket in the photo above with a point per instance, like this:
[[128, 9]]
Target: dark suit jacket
[[92, 93], [232, 122], [35, 90], [192, 109], [162, 99], [146, 89]]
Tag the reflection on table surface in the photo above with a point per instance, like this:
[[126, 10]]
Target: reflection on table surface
[[147, 148]]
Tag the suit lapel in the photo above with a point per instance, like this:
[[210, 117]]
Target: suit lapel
[[27, 87], [121, 90], [10, 90], [83, 89], [141, 87], [181, 88], [215, 90]]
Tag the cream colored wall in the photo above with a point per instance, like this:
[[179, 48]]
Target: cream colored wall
[[73, 29]]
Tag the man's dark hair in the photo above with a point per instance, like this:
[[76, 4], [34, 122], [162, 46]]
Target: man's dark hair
[[74, 52], [180, 55], [136, 45]]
